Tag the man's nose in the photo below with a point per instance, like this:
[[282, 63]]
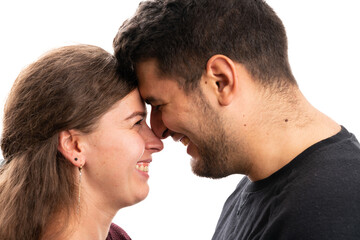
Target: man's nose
[[157, 124]]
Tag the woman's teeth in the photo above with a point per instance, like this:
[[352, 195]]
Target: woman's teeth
[[144, 167], [185, 140]]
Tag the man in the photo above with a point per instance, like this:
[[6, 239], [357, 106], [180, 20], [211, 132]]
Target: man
[[217, 76]]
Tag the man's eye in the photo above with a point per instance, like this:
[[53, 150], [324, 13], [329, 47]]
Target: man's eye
[[156, 107]]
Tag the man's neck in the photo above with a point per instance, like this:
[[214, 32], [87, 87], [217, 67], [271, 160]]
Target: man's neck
[[285, 128]]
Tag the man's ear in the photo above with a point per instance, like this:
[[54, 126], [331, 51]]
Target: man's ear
[[69, 147], [221, 71]]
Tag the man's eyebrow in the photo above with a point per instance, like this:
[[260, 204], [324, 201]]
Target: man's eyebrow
[[150, 100], [138, 113]]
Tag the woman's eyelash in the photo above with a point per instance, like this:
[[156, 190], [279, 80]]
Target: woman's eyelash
[[139, 122]]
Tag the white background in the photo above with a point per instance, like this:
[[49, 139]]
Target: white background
[[324, 54]]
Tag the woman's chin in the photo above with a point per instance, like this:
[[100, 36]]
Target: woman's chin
[[139, 196], [142, 194]]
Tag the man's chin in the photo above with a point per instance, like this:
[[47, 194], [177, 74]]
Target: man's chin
[[200, 169]]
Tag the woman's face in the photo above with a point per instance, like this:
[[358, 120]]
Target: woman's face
[[118, 155]]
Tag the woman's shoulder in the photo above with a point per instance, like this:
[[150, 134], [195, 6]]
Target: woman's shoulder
[[117, 233]]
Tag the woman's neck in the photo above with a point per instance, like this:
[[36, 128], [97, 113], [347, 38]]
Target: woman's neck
[[92, 223]]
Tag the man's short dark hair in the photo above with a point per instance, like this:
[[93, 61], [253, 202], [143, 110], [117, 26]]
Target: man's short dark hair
[[183, 34]]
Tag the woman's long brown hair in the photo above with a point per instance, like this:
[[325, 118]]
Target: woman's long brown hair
[[68, 88]]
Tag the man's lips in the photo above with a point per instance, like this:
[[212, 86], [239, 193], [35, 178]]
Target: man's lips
[[185, 140], [180, 137]]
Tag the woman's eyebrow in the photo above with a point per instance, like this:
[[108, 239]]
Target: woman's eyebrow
[[137, 113]]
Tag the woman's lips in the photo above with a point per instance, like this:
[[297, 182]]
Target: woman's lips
[[143, 166]]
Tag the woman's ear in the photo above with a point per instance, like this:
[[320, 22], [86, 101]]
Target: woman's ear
[[69, 147], [221, 71]]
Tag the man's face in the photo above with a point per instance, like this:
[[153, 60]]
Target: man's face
[[188, 118]]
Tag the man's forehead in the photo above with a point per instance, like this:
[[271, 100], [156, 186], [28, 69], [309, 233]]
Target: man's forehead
[[148, 66], [147, 74], [154, 85]]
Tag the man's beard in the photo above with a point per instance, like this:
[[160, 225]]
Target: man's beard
[[212, 160], [216, 150]]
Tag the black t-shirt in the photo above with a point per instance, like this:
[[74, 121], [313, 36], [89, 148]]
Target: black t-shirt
[[315, 196]]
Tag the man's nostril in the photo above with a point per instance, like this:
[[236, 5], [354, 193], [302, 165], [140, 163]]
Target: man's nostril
[[165, 133]]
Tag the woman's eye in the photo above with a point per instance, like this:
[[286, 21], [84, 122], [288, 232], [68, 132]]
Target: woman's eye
[[139, 122]]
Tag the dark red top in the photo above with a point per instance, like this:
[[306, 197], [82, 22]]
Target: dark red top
[[117, 233]]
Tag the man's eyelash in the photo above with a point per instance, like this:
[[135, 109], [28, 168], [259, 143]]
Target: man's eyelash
[[156, 107]]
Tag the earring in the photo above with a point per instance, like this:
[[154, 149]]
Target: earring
[[80, 173], [75, 159]]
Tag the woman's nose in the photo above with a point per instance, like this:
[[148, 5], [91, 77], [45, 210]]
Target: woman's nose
[[152, 142]]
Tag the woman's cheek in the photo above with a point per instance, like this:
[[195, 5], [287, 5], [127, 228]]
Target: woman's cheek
[[135, 146]]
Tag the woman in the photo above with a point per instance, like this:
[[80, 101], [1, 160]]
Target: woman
[[76, 148]]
